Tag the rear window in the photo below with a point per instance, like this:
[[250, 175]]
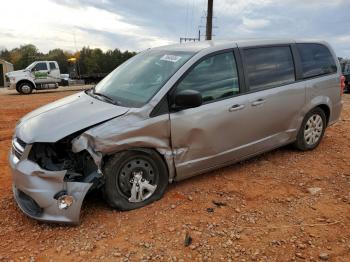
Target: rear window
[[269, 67], [316, 60]]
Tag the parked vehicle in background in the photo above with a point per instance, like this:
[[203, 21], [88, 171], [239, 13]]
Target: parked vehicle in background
[[64, 80], [92, 78], [346, 73], [38, 75], [170, 113], [87, 78]]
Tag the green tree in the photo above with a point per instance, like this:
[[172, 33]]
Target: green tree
[[89, 61], [27, 55]]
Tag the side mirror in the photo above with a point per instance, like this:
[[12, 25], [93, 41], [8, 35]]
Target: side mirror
[[188, 99]]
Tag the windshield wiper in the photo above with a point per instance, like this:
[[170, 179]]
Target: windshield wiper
[[111, 100], [105, 97]]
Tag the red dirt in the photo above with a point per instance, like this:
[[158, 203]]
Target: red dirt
[[268, 214]]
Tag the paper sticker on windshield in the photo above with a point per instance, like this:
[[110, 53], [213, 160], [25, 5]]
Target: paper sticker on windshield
[[170, 58]]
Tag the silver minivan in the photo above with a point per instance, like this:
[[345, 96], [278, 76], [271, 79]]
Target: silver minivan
[[170, 113]]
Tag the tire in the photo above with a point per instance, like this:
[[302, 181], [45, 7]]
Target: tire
[[127, 169], [312, 130], [25, 88]]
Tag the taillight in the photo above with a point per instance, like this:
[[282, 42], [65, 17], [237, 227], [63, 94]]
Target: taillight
[[342, 84]]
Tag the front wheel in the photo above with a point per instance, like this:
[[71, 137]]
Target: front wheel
[[312, 130], [25, 88], [134, 179]]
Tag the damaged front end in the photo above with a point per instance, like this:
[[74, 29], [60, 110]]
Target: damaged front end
[[50, 181]]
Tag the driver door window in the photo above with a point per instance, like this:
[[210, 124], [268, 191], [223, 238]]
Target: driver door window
[[40, 67], [215, 77]]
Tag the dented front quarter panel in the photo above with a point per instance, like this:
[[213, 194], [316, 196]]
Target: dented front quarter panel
[[133, 130]]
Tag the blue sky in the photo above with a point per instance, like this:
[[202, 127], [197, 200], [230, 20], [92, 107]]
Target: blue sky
[[137, 25]]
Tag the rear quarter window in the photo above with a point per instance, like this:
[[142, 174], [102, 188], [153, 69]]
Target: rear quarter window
[[316, 60], [52, 66]]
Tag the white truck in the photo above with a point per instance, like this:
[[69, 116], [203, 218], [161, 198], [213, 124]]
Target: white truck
[[38, 75]]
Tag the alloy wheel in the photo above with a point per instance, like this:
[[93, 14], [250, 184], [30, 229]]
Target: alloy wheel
[[313, 129]]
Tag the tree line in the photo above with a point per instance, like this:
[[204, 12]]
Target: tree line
[[89, 60]]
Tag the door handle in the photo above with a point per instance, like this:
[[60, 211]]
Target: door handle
[[259, 102], [236, 107]]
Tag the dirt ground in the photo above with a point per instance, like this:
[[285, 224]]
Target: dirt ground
[[258, 210]]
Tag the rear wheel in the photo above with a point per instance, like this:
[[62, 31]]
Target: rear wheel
[[312, 130], [25, 88], [134, 179]]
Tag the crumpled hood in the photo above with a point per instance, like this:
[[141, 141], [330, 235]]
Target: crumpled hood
[[61, 118]]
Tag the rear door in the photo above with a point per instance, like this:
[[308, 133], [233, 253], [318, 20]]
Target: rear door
[[275, 98]]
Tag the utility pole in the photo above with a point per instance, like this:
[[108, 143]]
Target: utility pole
[[209, 27]]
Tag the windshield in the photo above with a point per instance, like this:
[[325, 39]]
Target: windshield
[[30, 66], [136, 81]]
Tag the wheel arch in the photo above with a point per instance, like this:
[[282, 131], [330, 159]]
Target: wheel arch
[[327, 111], [25, 81], [323, 102], [149, 150]]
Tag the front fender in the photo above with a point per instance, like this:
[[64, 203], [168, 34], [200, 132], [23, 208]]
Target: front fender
[[128, 132], [27, 79]]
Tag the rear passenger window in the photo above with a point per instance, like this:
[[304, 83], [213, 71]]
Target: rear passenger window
[[215, 77], [316, 60], [52, 66], [268, 67]]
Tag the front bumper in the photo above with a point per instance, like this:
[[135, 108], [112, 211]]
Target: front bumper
[[34, 189], [11, 86]]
